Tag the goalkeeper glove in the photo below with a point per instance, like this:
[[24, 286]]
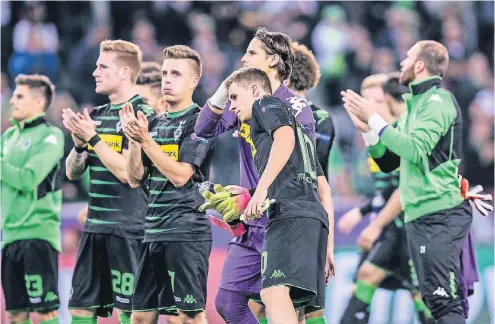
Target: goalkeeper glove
[[230, 201], [476, 197], [220, 98]]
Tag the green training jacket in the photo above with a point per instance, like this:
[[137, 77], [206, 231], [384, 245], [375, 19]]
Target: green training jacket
[[427, 145], [30, 176]]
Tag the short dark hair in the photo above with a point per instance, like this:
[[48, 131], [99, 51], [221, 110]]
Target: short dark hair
[[434, 55], [150, 78], [38, 82], [147, 67], [306, 71], [393, 87], [184, 52], [249, 75], [275, 43]]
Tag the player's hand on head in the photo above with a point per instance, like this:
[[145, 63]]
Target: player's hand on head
[[368, 237], [350, 219]]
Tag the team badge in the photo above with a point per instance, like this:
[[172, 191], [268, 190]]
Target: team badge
[[178, 131]]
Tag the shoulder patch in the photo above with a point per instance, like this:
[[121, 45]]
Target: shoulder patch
[[196, 138], [52, 139], [435, 97]]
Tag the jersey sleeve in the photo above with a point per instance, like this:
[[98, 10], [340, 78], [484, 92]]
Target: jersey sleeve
[[325, 134], [194, 149], [271, 114], [210, 124], [43, 157]]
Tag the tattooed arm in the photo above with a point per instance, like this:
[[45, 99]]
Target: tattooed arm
[[75, 165]]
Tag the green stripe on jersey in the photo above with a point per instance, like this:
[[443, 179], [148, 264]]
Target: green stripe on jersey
[[105, 130], [93, 155], [108, 117], [167, 127], [153, 218], [97, 221], [97, 195], [95, 168], [164, 139], [101, 182], [160, 205], [96, 208], [162, 179], [158, 230], [159, 192]]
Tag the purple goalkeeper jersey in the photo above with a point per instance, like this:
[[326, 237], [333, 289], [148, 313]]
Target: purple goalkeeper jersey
[[210, 124]]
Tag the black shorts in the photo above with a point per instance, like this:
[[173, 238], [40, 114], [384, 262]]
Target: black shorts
[[391, 254], [172, 276], [294, 256], [30, 276], [104, 274], [435, 244]]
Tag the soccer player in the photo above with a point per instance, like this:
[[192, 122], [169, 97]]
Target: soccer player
[[173, 262], [241, 275], [148, 85], [426, 146], [107, 258], [305, 76], [298, 223], [31, 202], [385, 264]]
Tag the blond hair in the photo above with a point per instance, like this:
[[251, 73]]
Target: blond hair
[[374, 80], [38, 82], [434, 55], [127, 54], [186, 53]]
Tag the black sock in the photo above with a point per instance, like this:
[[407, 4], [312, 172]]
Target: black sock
[[452, 318], [356, 312]]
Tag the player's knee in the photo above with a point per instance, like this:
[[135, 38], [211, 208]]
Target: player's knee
[[173, 320], [17, 317], [82, 312], [47, 315], [257, 309], [192, 317], [318, 313], [371, 274], [142, 318], [301, 319]]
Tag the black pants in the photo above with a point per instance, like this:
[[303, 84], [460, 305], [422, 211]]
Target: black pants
[[435, 243]]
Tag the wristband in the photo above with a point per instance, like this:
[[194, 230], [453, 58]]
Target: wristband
[[80, 150], [94, 140], [370, 138], [377, 123]]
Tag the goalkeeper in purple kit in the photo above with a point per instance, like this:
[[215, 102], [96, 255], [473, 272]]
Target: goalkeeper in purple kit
[[241, 276]]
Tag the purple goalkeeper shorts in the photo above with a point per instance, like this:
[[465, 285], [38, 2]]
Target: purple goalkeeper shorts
[[242, 268]]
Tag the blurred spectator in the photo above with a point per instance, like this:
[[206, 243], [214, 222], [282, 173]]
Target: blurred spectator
[[82, 63], [6, 94], [143, 35], [35, 44]]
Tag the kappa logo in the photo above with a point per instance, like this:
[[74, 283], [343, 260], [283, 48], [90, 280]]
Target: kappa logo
[[189, 299], [277, 274], [51, 139], [441, 292], [422, 249], [50, 296], [360, 315], [435, 97]]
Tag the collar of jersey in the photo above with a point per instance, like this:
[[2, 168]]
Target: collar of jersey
[[182, 112], [36, 120], [115, 107], [422, 86]]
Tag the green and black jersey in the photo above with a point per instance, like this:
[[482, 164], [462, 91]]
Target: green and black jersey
[[114, 207], [30, 179], [173, 213]]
